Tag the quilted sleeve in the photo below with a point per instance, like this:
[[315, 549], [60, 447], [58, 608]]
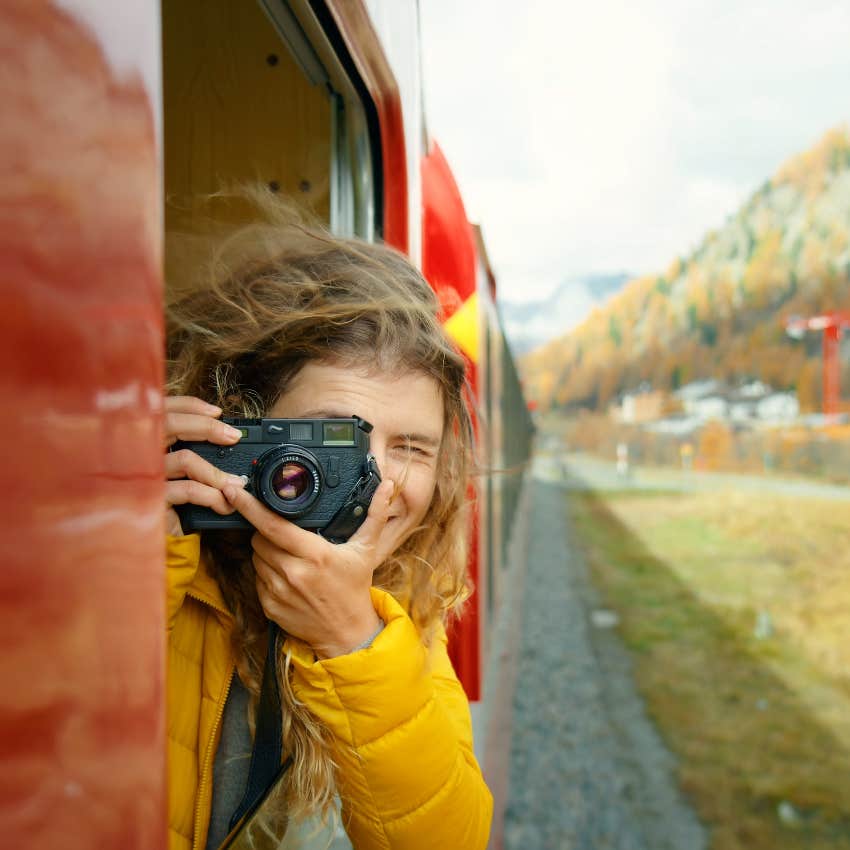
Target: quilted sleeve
[[408, 778], [182, 556]]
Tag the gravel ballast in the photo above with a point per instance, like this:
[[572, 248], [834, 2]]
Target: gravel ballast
[[587, 769]]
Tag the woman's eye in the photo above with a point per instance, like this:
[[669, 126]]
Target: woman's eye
[[409, 448]]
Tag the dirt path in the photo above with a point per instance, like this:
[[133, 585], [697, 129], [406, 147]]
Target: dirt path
[[587, 769], [583, 471]]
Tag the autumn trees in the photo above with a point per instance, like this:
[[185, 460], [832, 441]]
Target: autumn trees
[[719, 312]]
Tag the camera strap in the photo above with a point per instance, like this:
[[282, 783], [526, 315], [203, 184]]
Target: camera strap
[[265, 769]]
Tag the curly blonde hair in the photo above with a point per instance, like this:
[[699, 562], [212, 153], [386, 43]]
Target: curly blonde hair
[[277, 294]]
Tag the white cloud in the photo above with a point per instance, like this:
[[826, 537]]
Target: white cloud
[[612, 136]]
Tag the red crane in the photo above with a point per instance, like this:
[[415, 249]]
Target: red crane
[[832, 324]]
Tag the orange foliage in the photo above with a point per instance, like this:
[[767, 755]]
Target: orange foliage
[[720, 312]]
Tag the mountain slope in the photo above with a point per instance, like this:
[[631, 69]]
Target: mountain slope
[[719, 312]]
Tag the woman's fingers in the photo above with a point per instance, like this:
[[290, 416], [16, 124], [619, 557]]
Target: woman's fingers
[[379, 512], [274, 581], [189, 478], [315, 590], [189, 418], [192, 480], [184, 463], [274, 592], [292, 538], [188, 492], [284, 534], [198, 428]]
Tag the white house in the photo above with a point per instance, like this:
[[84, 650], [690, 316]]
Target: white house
[[778, 407]]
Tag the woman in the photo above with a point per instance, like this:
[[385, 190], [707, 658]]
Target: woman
[[297, 324]]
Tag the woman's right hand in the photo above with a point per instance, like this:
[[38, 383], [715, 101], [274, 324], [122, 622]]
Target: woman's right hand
[[189, 478]]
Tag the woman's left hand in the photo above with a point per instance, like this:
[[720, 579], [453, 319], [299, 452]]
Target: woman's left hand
[[313, 589]]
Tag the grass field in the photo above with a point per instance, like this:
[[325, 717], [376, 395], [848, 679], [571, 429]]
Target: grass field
[[736, 608]]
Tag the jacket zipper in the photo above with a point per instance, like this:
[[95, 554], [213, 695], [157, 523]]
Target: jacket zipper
[[206, 768]]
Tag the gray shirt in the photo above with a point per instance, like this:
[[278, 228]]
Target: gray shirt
[[232, 760]]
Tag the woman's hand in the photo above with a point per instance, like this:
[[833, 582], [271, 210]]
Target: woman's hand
[[313, 589], [189, 478]]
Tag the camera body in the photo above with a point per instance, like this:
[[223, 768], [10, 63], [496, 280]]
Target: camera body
[[318, 473]]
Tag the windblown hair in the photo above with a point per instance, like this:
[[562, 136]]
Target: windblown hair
[[278, 294]]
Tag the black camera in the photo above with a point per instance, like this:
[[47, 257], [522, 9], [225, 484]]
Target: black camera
[[318, 473]]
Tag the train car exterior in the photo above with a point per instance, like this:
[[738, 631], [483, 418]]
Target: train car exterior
[[81, 607], [119, 117]]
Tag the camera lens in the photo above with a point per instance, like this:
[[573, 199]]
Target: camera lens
[[288, 480], [291, 481]]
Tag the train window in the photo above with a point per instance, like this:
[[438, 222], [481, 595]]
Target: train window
[[352, 187], [255, 92]]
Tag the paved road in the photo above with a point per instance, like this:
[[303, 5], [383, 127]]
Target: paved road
[[581, 471], [587, 768]]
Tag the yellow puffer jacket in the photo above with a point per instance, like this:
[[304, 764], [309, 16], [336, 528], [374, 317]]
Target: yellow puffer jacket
[[397, 712]]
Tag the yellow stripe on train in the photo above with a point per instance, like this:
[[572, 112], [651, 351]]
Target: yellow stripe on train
[[462, 327]]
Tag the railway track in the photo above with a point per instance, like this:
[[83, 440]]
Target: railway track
[[586, 768]]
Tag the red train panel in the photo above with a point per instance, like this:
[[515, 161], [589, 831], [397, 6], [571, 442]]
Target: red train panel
[[81, 607]]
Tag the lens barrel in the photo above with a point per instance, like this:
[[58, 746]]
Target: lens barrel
[[288, 480]]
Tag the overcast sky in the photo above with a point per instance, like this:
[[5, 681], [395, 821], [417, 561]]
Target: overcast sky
[[603, 136]]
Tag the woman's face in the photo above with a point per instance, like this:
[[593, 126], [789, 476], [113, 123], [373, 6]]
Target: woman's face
[[406, 412]]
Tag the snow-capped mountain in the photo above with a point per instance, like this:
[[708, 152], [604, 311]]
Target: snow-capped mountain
[[529, 324]]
